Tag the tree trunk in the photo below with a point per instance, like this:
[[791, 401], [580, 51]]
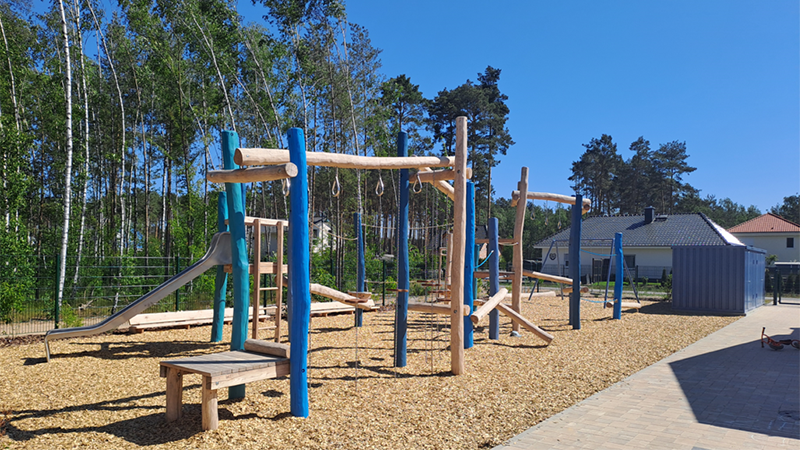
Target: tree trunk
[[68, 166]]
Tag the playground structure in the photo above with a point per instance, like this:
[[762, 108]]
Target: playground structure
[[291, 166]]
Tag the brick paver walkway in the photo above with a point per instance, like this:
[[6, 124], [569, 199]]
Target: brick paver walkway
[[722, 392]]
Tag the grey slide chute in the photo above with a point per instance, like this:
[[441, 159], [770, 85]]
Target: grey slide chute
[[219, 253]]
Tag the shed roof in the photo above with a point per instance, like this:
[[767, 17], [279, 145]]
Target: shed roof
[[664, 231], [767, 223]]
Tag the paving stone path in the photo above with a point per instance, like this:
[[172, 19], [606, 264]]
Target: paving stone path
[[722, 392]]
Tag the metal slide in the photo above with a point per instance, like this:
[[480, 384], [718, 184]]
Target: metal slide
[[218, 253]]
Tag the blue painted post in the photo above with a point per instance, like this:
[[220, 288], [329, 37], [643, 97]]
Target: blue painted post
[[241, 267], [575, 264], [299, 277], [469, 263], [360, 275], [401, 310], [494, 276], [221, 280], [618, 280]]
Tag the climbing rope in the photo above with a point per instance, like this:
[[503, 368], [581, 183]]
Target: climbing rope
[[484, 261]]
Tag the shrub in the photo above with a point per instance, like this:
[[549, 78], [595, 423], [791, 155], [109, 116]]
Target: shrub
[[663, 277], [69, 317], [644, 281], [767, 281], [668, 288]]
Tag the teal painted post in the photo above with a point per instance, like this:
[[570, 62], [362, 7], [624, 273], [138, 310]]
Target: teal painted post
[[575, 263], [619, 261], [360, 274], [401, 306], [299, 277], [221, 280], [240, 276], [494, 276], [469, 263]]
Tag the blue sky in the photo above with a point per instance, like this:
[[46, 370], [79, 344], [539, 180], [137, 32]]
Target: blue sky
[[721, 75]]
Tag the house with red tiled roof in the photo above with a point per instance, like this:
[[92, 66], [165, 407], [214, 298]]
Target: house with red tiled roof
[[773, 233]]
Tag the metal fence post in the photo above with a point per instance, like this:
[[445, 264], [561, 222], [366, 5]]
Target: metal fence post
[[177, 291]]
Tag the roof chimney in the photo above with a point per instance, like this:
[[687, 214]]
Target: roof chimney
[[649, 213]]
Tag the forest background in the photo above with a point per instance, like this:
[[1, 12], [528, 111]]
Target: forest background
[[110, 120]]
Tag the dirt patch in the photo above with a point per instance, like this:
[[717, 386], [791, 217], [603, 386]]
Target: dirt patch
[[105, 391]]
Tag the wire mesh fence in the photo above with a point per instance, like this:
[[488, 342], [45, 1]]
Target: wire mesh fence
[[94, 289]]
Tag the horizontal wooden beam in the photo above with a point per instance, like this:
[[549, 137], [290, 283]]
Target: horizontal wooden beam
[[568, 290], [487, 307], [440, 175], [339, 296], [587, 204], [625, 305], [536, 294], [265, 268], [269, 157], [501, 241], [253, 174], [547, 277], [250, 221], [443, 186], [485, 274], [433, 308]]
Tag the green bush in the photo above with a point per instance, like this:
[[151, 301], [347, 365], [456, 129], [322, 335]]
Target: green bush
[[668, 287], [644, 281], [767, 281], [69, 318], [663, 277]]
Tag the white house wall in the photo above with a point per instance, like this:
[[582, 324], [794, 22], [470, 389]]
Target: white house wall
[[774, 244], [655, 257]]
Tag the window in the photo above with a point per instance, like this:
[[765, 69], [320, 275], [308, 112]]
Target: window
[[789, 242]]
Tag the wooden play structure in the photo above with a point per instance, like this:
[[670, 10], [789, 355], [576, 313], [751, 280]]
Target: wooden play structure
[[292, 164]]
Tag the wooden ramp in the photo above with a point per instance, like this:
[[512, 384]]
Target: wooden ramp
[[142, 322]]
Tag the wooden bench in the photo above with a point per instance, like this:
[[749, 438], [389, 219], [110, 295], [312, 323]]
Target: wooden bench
[[220, 370]]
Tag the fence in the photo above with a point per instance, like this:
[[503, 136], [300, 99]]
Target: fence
[[598, 272], [95, 289]]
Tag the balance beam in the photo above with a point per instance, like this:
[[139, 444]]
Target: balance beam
[[339, 296], [516, 317], [547, 277], [433, 308], [253, 174], [487, 307], [270, 157]]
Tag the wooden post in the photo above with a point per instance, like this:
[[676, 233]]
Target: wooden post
[[279, 282], [469, 262], [221, 280], [209, 405], [360, 275], [457, 257], [256, 277], [494, 276], [575, 264], [240, 275], [403, 282], [174, 394], [619, 261], [300, 278], [519, 225]]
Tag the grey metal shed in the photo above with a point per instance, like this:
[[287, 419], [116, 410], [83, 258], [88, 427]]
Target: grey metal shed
[[718, 279]]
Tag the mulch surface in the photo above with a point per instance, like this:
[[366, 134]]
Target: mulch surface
[[105, 391]]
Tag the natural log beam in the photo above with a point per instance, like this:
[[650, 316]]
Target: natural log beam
[[501, 241], [439, 175], [253, 174], [339, 296], [584, 290], [547, 277], [436, 309], [535, 294], [269, 157], [525, 323], [487, 307], [551, 197], [443, 186], [485, 274]]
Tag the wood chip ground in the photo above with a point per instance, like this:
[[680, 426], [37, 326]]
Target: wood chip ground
[[105, 391]]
